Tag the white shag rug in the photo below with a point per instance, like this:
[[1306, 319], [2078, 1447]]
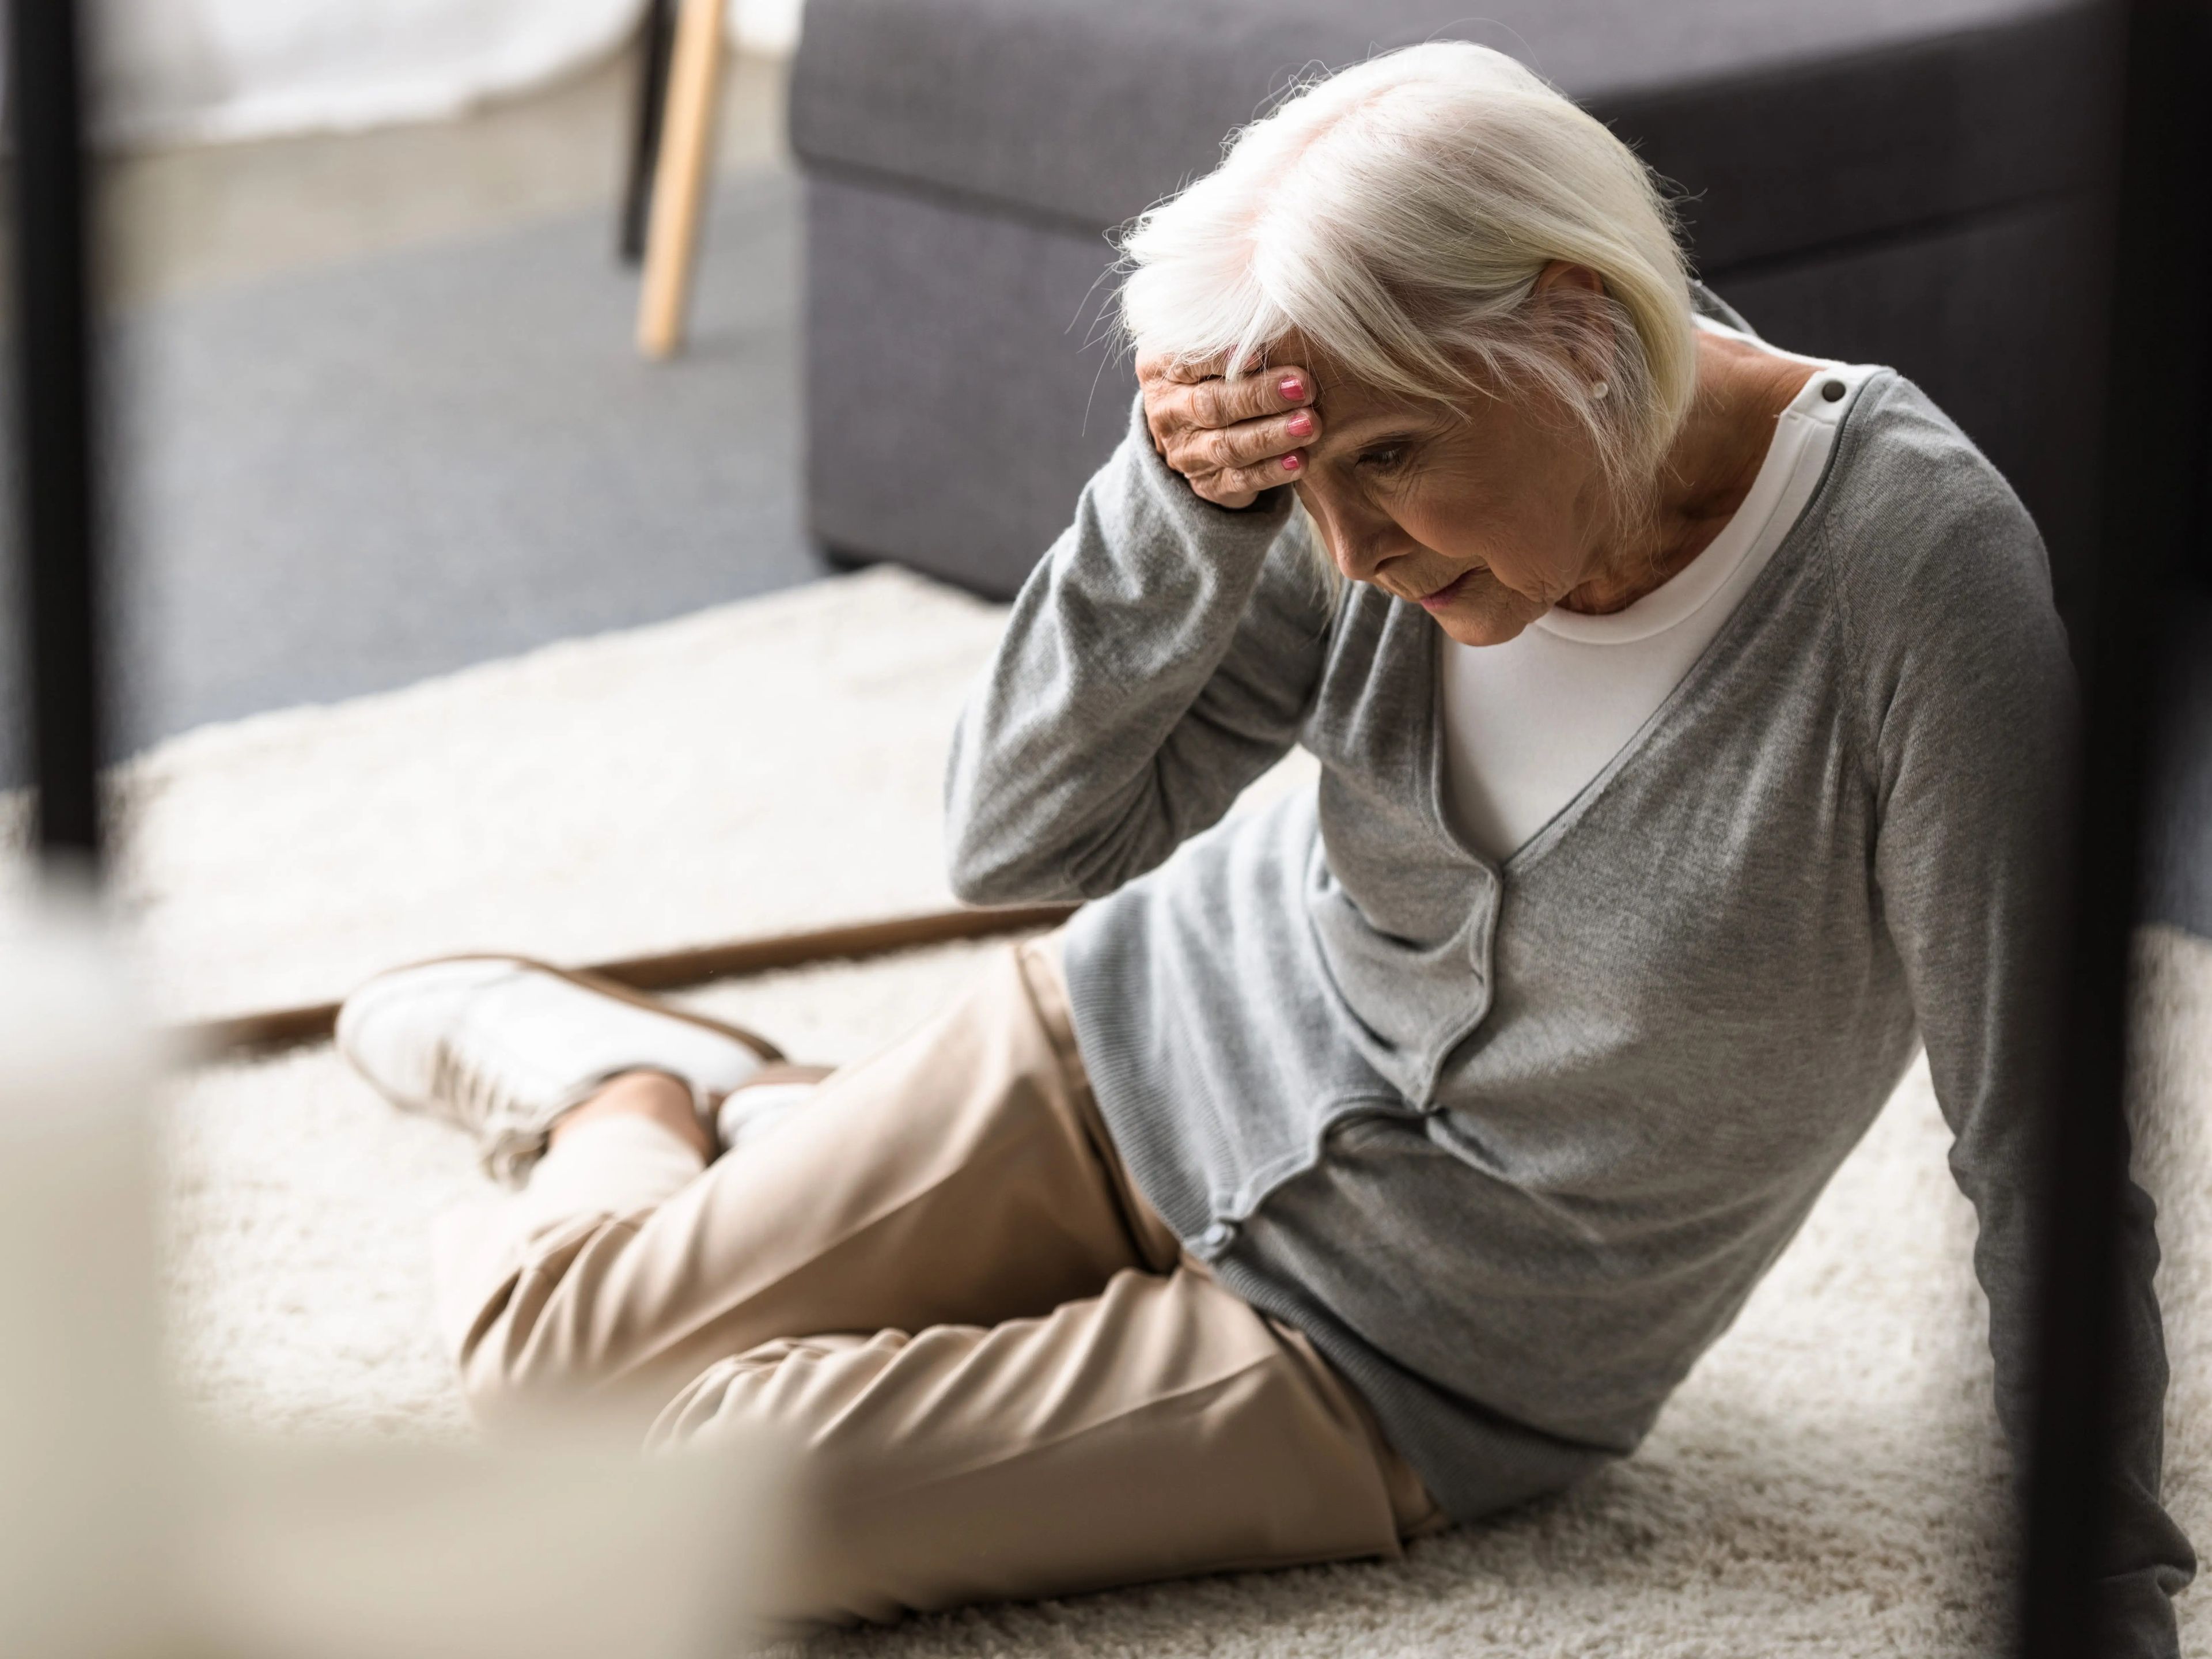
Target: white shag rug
[[1827, 1482]]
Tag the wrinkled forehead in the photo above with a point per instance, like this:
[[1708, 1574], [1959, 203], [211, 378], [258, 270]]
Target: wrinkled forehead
[[1355, 411], [1347, 400]]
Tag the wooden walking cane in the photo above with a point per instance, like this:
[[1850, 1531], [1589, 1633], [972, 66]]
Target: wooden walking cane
[[282, 1028]]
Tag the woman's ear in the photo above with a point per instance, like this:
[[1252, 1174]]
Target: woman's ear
[[1569, 301], [1559, 275]]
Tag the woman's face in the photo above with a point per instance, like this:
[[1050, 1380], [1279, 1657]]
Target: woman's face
[[1486, 516]]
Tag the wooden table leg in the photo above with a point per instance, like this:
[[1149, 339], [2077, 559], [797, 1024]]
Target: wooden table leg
[[679, 186]]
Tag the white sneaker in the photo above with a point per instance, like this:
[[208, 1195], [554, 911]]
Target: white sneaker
[[501, 1046]]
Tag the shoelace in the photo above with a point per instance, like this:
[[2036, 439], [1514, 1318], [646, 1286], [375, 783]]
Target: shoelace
[[471, 1093]]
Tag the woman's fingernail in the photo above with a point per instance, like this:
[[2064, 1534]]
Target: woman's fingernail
[[1292, 387], [1291, 463], [1300, 425]]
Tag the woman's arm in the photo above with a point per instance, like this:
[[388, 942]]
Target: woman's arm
[[1159, 659], [1971, 710]]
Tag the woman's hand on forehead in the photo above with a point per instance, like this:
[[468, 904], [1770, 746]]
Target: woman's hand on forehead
[[1230, 438]]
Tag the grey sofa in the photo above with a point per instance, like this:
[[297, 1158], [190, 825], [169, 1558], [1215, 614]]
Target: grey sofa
[[1915, 182]]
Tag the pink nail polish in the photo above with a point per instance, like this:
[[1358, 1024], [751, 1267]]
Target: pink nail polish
[[1291, 463], [1292, 387], [1300, 425]]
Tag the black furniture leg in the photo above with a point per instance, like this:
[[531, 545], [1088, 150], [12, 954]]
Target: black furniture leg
[[57, 506], [657, 44], [2153, 525]]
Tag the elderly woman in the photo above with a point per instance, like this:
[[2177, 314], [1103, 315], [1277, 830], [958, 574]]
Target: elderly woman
[[1692, 720]]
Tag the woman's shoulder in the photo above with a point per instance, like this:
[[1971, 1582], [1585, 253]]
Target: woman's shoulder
[[1930, 554]]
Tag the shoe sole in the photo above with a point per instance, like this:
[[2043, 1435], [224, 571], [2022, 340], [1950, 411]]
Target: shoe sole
[[766, 1052]]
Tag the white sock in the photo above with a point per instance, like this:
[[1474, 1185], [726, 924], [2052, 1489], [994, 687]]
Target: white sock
[[748, 1113]]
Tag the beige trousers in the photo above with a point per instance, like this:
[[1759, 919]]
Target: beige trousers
[[1002, 1377]]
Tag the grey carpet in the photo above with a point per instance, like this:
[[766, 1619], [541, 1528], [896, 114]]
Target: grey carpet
[[346, 479]]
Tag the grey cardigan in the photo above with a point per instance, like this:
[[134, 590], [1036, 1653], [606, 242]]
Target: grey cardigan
[[1513, 1144]]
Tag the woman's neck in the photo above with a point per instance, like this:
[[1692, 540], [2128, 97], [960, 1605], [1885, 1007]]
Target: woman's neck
[[1715, 459]]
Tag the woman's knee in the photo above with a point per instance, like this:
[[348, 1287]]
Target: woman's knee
[[510, 1375], [791, 1388], [807, 1407], [534, 1349]]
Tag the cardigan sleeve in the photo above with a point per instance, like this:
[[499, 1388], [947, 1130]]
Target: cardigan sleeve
[[1161, 657], [1972, 732]]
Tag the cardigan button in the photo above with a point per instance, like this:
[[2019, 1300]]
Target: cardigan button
[[1216, 1237], [1833, 391]]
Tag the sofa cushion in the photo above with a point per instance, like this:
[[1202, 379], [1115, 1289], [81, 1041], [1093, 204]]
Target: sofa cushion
[[1794, 123]]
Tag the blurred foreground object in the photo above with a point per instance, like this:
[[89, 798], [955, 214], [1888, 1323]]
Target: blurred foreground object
[[55, 477], [380, 1553], [123, 1534], [2156, 524], [86, 1466]]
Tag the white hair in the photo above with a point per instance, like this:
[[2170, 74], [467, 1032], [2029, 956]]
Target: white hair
[[1397, 214]]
